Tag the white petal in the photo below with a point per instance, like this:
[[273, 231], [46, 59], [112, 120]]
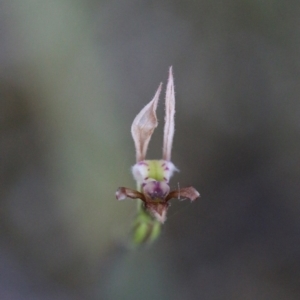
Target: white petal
[[143, 126], [169, 118], [140, 171]]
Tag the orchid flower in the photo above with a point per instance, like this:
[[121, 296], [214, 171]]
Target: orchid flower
[[152, 176]]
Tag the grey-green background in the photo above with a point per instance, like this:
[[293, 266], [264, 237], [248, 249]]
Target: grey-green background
[[73, 74]]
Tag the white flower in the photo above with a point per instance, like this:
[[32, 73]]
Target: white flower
[[153, 176]]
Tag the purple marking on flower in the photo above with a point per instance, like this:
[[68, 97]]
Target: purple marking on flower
[[142, 163], [156, 189]]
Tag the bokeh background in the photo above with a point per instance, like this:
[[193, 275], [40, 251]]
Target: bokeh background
[[73, 74]]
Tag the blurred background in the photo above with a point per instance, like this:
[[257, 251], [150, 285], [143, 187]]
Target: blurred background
[[73, 75]]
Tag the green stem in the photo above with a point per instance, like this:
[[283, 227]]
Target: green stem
[[146, 229]]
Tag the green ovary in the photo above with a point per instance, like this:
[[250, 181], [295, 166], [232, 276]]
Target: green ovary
[[145, 228]]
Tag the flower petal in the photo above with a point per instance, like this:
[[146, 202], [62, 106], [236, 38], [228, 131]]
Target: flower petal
[[143, 126], [169, 118], [123, 193], [187, 192]]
